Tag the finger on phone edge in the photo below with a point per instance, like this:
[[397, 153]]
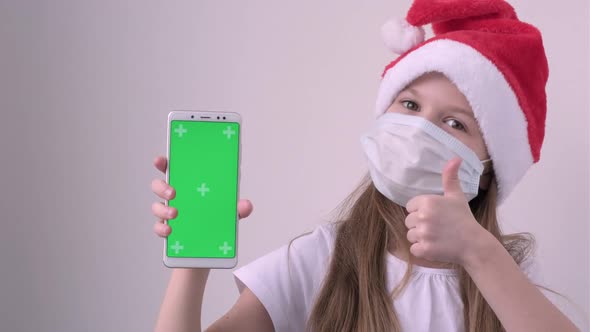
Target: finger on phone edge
[[161, 163], [245, 208], [159, 187], [162, 229]]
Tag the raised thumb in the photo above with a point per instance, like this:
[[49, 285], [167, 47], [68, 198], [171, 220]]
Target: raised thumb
[[450, 178]]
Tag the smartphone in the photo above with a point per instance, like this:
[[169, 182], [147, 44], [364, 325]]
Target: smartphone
[[204, 168]]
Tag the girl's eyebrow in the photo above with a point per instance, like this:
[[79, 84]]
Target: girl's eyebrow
[[455, 109]]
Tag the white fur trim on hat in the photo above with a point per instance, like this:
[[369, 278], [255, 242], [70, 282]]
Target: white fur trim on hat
[[494, 103]]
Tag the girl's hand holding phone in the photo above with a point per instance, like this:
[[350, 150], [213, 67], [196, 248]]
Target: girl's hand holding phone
[[165, 191]]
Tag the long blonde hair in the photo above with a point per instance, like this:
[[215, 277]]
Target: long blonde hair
[[353, 296]]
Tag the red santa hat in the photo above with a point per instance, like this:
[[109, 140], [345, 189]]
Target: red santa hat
[[497, 61]]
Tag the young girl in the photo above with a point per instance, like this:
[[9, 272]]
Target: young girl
[[417, 246]]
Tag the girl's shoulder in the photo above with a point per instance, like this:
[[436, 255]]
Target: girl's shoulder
[[286, 279], [320, 240], [306, 252]]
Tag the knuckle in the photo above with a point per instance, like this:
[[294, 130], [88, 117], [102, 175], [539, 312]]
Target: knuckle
[[160, 210], [410, 236], [161, 229], [423, 232], [157, 186], [426, 247], [157, 228], [422, 215], [429, 203]]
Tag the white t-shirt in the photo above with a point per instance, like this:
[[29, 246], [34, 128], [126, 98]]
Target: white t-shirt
[[430, 302]]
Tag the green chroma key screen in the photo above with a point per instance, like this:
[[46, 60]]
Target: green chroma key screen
[[204, 172]]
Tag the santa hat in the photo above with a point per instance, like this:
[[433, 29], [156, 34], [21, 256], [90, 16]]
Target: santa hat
[[494, 59]]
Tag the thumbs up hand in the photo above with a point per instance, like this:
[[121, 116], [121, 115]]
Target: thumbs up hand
[[442, 228]]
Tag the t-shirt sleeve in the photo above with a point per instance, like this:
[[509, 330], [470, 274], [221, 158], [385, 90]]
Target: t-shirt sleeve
[[286, 279]]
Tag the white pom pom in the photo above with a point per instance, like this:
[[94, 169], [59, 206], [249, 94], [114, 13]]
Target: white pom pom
[[400, 36]]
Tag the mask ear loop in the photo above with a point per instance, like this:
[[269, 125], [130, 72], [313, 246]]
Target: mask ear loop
[[488, 170], [488, 166]]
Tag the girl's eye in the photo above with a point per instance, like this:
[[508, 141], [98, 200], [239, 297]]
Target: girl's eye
[[410, 105], [456, 124]]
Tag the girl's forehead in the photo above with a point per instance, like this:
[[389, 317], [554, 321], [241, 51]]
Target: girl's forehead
[[438, 88], [430, 78]]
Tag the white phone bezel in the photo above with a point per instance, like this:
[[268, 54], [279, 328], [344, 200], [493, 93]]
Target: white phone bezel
[[211, 116]]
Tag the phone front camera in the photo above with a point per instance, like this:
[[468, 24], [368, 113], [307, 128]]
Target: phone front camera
[[192, 116], [224, 118]]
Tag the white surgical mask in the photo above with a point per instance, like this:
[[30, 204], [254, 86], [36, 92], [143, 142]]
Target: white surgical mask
[[407, 155]]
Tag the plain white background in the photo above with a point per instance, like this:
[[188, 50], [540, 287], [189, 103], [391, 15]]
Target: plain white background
[[85, 87]]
